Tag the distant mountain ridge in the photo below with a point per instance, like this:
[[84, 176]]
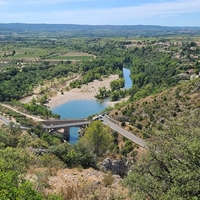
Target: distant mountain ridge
[[77, 26], [125, 30]]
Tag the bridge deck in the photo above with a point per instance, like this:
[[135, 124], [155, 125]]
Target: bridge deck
[[60, 122], [73, 124]]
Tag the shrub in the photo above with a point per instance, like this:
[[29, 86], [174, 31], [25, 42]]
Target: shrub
[[123, 124], [108, 179], [139, 126]]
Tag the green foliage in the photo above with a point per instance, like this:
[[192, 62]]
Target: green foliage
[[86, 157], [12, 187], [50, 139], [74, 155], [127, 148], [114, 96], [54, 197], [103, 93], [21, 119], [38, 143], [117, 84], [50, 161], [96, 69], [14, 163], [60, 150], [71, 158], [14, 159], [9, 135], [151, 70], [41, 110], [170, 170], [98, 138], [123, 124], [139, 126]]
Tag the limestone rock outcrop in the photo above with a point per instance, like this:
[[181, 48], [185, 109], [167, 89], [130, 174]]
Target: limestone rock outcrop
[[119, 167]]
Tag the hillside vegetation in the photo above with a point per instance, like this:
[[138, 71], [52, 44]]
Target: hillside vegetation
[[162, 108], [171, 167], [154, 112]]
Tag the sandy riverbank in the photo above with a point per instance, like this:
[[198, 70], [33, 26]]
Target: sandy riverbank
[[86, 92]]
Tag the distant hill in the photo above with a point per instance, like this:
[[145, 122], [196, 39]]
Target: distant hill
[[102, 30], [23, 26]]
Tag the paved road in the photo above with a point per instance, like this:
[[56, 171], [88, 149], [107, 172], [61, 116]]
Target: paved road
[[73, 124], [29, 116], [123, 132], [4, 120], [7, 122], [106, 120]]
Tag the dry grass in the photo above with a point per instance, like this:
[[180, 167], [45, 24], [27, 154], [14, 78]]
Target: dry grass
[[85, 184]]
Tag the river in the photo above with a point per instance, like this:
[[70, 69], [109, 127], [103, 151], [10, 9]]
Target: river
[[84, 108], [128, 81]]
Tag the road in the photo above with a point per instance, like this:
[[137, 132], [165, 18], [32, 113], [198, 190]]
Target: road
[[123, 132], [74, 124], [29, 116], [106, 120], [7, 122], [4, 120]]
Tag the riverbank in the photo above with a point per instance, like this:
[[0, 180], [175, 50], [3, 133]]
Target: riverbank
[[86, 92]]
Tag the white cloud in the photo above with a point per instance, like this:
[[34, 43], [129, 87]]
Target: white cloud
[[109, 15], [2, 2], [51, 1], [39, 2], [152, 9], [114, 15]]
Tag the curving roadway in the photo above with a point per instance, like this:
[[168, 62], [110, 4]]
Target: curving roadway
[[112, 124]]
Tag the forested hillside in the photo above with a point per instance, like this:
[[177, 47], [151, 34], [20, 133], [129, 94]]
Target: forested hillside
[[154, 112]]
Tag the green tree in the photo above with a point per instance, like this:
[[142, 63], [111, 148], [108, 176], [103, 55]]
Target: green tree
[[98, 138], [14, 159], [103, 93], [114, 96], [171, 168], [86, 158], [72, 158], [12, 187]]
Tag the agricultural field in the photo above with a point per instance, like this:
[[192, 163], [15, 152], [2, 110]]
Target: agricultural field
[[72, 56]]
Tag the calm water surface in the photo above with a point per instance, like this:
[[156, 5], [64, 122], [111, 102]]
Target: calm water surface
[[128, 81], [78, 109], [84, 108]]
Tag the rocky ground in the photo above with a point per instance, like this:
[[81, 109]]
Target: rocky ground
[[78, 183]]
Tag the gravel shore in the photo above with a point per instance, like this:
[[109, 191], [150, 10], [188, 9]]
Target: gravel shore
[[86, 92]]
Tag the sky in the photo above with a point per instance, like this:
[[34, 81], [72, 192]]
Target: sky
[[102, 12]]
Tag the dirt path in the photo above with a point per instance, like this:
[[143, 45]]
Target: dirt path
[[29, 98], [29, 116]]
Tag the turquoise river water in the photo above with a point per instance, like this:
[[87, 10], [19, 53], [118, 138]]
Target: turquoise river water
[[84, 108]]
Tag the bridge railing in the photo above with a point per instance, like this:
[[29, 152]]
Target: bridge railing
[[59, 122]]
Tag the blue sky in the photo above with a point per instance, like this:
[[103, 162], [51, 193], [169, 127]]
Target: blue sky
[[102, 12]]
